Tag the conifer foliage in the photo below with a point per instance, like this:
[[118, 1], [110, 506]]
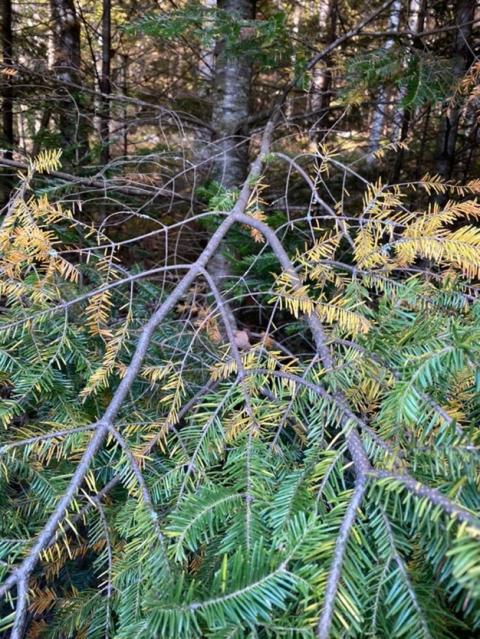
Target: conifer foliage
[[160, 482], [239, 321]]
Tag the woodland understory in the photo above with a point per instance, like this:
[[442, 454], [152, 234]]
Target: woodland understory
[[239, 319]]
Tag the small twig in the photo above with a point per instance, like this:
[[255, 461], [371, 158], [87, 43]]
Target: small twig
[[147, 499]]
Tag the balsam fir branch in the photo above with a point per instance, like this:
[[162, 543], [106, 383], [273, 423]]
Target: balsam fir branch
[[363, 468], [285, 446]]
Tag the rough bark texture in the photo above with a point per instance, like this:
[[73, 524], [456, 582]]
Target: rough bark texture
[[66, 44], [231, 108], [105, 87], [463, 57], [322, 75], [7, 52], [232, 104]]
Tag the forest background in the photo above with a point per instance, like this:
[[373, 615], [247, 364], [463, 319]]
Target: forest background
[[239, 319]]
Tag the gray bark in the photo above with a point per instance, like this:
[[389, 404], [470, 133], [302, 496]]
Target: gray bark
[[462, 58], [231, 108], [402, 115], [66, 61], [321, 74], [416, 19], [7, 54], [379, 113], [105, 83], [231, 105]]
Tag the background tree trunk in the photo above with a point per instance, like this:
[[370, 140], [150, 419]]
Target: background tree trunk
[[207, 54], [321, 74], [231, 105], [378, 117], [8, 139], [67, 58], [403, 115], [416, 20], [231, 108], [7, 53], [105, 86], [296, 17], [462, 58]]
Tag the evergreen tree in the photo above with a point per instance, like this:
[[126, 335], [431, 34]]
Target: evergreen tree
[[240, 326]]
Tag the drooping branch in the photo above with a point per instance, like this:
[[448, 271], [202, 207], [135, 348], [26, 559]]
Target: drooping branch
[[413, 485], [354, 444], [22, 572], [20, 575]]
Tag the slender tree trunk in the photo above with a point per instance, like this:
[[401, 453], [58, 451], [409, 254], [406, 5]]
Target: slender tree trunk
[[321, 74], [462, 58], [231, 108], [403, 116], [379, 112], [296, 16], [7, 53], [399, 152], [474, 143], [8, 139], [67, 58], [231, 105], [42, 126], [419, 164], [105, 86], [416, 21], [125, 107]]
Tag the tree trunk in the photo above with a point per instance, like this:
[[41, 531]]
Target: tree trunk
[[42, 126], [416, 20], [321, 74], [296, 16], [125, 106], [399, 152], [403, 116], [67, 59], [8, 140], [462, 58], [232, 104], [7, 53], [231, 109], [378, 118], [105, 86]]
